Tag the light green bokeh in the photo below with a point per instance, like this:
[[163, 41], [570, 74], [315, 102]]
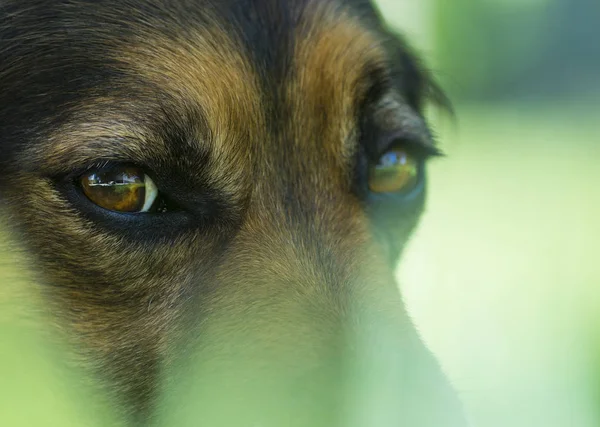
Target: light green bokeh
[[502, 275]]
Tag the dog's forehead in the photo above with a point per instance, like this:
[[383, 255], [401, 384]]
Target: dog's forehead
[[239, 82], [273, 66]]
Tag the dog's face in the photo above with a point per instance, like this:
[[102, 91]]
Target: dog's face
[[224, 187]]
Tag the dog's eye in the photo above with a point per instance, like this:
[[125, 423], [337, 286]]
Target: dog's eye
[[120, 188], [396, 171]]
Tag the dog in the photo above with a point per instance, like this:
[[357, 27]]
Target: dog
[[214, 195]]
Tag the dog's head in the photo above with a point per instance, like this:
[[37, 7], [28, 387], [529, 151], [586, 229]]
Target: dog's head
[[225, 185]]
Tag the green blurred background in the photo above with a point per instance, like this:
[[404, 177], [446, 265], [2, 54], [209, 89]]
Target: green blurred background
[[502, 276]]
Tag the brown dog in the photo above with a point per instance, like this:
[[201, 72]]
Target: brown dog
[[215, 193]]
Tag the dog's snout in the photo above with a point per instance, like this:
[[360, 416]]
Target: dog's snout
[[307, 365], [303, 334]]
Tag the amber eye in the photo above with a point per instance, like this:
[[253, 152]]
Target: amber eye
[[120, 189], [396, 171]]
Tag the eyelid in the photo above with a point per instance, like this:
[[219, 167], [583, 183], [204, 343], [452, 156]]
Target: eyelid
[[110, 164], [392, 122], [71, 174], [414, 146]]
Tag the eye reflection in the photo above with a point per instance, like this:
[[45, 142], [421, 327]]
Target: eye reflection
[[120, 189], [396, 171]]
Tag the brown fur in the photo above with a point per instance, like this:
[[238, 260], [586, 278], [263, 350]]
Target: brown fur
[[291, 276]]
